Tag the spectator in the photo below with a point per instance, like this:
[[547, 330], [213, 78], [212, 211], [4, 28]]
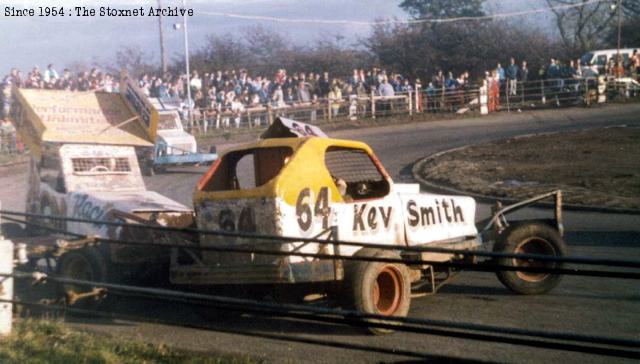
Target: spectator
[[324, 85], [335, 96], [512, 76], [303, 94], [501, 74], [195, 83], [437, 80], [50, 76], [386, 89], [278, 97]]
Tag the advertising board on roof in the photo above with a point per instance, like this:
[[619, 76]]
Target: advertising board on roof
[[76, 117]]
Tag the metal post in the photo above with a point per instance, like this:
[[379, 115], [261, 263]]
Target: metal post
[[508, 89], [186, 58], [6, 285], [410, 103], [163, 51], [269, 114], [373, 105], [619, 32], [418, 108]]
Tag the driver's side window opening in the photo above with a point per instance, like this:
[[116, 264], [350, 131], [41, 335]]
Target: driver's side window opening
[[356, 175], [247, 169]]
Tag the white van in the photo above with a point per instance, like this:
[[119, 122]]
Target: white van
[[600, 58]]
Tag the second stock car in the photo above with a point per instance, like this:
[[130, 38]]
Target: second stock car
[[297, 182], [85, 166]]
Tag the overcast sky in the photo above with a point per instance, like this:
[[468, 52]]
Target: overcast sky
[[28, 41]]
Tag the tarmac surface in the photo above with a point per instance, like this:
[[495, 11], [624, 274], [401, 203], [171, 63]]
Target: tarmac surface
[[590, 306]]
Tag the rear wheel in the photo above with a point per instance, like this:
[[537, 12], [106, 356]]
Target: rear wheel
[[87, 265], [530, 238], [377, 287]]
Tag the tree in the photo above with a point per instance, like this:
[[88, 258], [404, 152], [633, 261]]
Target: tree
[[134, 60], [587, 27], [442, 8]]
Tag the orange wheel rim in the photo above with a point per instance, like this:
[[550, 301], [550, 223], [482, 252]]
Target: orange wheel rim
[[537, 246], [388, 290]]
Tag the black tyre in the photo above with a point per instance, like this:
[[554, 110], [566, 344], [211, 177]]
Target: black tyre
[[530, 238], [85, 264], [146, 168], [377, 287]]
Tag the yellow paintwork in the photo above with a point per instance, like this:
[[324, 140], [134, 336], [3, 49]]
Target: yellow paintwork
[[75, 117], [305, 169]]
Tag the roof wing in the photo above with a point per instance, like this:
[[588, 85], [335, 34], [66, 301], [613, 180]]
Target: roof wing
[[289, 128], [52, 116]]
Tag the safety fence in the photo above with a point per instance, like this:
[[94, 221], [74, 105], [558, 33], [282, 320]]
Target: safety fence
[[475, 99], [271, 245]]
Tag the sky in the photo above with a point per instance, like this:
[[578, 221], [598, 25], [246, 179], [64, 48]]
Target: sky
[[28, 41]]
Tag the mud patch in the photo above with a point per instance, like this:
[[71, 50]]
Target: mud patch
[[596, 167]]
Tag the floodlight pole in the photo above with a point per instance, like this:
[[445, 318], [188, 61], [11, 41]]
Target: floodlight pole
[[619, 31], [163, 51], [186, 58]]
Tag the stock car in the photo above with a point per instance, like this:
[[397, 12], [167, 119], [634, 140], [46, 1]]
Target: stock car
[[297, 182]]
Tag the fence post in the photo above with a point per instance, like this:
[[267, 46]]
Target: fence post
[[483, 98], [410, 103], [373, 105], [544, 98], [417, 100], [329, 111], [6, 285], [269, 114], [587, 100], [508, 89]]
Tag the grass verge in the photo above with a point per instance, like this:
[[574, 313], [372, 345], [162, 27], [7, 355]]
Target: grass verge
[[41, 341]]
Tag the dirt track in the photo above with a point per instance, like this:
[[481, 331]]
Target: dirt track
[[597, 167]]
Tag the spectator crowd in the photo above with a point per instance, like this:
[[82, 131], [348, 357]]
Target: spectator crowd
[[239, 90]]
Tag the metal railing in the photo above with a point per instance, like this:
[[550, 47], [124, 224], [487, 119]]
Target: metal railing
[[422, 100]]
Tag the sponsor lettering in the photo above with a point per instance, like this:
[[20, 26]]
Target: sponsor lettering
[[444, 210], [138, 104], [375, 216], [83, 208]]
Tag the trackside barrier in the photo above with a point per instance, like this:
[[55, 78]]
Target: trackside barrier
[[542, 339], [421, 100], [579, 343], [481, 267], [6, 284]]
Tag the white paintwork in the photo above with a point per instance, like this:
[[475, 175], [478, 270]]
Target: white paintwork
[[172, 134], [120, 181], [6, 286], [430, 218]]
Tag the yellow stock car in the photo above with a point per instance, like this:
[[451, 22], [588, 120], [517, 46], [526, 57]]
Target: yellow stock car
[[296, 182]]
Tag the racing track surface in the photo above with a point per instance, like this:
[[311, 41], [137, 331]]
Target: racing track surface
[[595, 306]]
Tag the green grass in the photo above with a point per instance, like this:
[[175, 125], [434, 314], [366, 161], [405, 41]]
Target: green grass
[[40, 341]]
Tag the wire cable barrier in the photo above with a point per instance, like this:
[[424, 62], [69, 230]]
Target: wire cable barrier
[[278, 240], [619, 347], [570, 342]]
